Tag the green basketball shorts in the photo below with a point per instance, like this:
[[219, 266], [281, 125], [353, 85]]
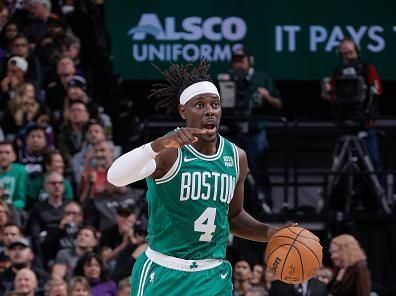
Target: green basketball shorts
[[155, 274]]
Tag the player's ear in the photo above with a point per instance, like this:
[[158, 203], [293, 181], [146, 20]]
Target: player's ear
[[182, 111]]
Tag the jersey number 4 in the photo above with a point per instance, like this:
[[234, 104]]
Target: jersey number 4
[[205, 223]]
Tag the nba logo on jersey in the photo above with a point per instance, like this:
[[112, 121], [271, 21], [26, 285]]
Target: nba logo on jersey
[[228, 161]]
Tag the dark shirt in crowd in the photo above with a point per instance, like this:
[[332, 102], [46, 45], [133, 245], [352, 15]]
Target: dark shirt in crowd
[[356, 281]]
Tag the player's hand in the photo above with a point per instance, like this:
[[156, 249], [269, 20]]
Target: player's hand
[[272, 230], [178, 138]]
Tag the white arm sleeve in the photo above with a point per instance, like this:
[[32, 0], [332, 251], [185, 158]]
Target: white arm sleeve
[[132, 166]]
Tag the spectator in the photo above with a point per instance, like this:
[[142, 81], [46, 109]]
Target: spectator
[[94, 133], [5, 217], [57, 88], [115, 237], [79, 286], [26, 282], [101, 211], [32, 151], [128, 251], [94, 176], [258, 275], [52, 162], [269, 278], [21, 256], [351, 276], [71, 47], [9, 31], [4, 15], [242, 277], [15, 74], [13, 177], [22, 109], [71, 136], [91, 267], [55, 287], [46, 215], [37, 26], [20, 47], [124, 287], [66, 259], [64, 236], [11, 232]]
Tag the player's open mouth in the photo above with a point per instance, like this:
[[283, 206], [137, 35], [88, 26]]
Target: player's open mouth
[[211, 128]]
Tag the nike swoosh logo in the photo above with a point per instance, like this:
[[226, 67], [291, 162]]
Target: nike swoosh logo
[[189, 159], [223, 276]]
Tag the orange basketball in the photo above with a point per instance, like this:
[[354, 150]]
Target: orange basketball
[[293, 254]]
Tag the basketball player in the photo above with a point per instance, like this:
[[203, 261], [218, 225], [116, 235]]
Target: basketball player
[[195, 181]]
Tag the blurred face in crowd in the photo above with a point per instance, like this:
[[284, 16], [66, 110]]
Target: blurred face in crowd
[[79, 290], [54, 185], [25, 282], [335, 254], [242, 271], [20, 47], [7, 156], [92, 269], [11, 233], [95, 134], [65, 67], [57, 164], [348, 51], [29, 91], [38, 10], [30, 105], [11, 31], [240, 63], [75, 93], [73, 51], [4, 13], [36, 141], [73, 212], [14, 71], [269, 275], [20, 256], [58, 290], [103, 153], [257, 274], [3, 215], [86, 238], [125, 291], [78, 114]]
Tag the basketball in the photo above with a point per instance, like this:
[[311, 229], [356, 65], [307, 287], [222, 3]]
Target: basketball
[[293, 254]]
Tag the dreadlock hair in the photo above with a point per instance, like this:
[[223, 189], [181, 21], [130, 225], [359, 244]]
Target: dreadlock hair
[[178, 77]]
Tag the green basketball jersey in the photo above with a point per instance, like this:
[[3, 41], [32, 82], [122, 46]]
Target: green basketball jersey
[[188, 207]]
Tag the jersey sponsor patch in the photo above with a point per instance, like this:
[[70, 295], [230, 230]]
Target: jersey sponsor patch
[[228, 161]]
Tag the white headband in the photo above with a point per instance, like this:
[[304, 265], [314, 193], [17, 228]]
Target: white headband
[[203, 87]]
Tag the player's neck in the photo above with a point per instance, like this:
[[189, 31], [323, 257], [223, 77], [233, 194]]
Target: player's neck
[[207, 148]]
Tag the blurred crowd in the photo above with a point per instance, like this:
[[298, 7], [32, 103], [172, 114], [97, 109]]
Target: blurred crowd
[[64, 230]]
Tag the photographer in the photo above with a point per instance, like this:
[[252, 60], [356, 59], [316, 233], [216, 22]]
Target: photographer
[[255, 93], [352, 66]]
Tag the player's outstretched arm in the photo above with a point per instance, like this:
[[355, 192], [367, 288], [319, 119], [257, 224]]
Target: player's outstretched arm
[[152, 158], [241, 223]]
